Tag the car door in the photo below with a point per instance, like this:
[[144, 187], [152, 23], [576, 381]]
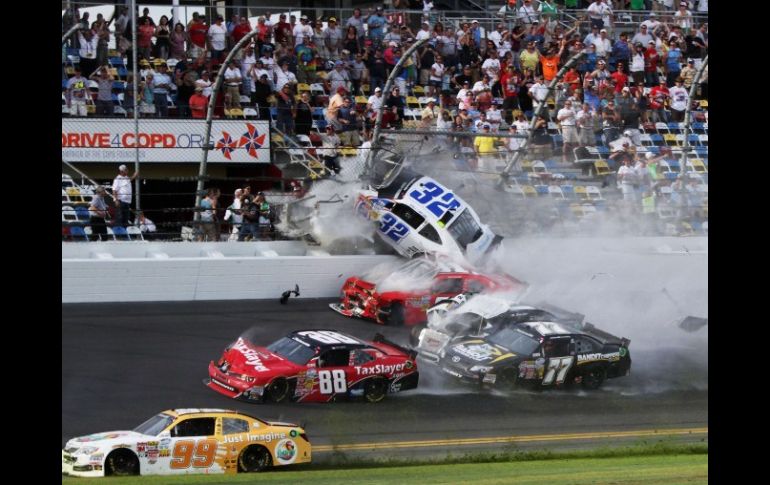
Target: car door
[[559, 360], [193, 446], [334, 372]]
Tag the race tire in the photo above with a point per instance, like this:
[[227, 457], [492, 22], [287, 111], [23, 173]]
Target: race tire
[[414, 335], [255, 458], [396, 318], [122, 463], [594, 378], [375, 390], [277, 390]]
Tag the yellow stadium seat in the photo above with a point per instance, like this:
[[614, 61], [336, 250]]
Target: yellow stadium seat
[[526, 166], [348, 152], [670, 139], [361, 100], [412, 102], [234, 112], [529, 191], [581, 193], [418, 90], [602, 168], [303, 88], [365, 89], [697, 165], [704, 103]]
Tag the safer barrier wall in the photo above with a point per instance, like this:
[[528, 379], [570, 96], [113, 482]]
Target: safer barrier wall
[[98, 272]]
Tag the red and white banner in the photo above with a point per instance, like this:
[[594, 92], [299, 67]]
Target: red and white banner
[[112, 140]]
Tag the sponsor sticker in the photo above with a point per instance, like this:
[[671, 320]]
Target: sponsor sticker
[[286, 451]]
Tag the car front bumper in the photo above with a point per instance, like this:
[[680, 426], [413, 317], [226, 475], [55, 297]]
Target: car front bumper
[[81, 465]]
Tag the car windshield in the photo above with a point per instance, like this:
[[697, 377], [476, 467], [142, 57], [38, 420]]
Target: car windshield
[[514, 340], [155, 424], [464, 229], [292, 350]]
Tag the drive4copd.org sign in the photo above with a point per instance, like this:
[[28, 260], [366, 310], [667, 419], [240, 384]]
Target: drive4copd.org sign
[[92, 140]]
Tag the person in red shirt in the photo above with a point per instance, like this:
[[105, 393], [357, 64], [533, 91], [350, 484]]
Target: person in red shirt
[[282, 30], [240, 30], [510, 82], [658, 96], [651, 59], [198, 104], [197, 32], [620, 77], [572, 78]]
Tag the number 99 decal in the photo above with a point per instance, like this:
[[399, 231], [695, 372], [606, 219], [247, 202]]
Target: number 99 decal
[[392, 228]]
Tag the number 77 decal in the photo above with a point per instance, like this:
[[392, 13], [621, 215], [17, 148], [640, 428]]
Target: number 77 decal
[[557, 367]]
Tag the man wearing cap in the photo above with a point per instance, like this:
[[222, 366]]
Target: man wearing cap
[[486, 148], [424, 32], [429, 115], [349, 121], [98, 211], [688, 74], [335, 103], [672, 63], [374, 103], [303, 32], [122, 193], [602, 44], [333, 38], [679, 100], [596, 13], [658, 96], [77, 89]]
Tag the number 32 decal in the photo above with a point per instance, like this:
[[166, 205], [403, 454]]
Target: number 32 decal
[[392, 228], [431, 191]]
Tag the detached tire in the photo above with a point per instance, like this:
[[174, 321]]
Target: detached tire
[[277, 390], [396, 318], [122, 463], [375, 390], [255, 458], [594, 378]]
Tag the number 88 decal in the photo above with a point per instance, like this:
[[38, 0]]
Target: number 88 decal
[[392, 228], [332, 381]]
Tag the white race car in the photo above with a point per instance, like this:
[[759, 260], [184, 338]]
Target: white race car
[[416, 215], [476, 316]]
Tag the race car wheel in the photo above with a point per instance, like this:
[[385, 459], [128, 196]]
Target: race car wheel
[[278, 389], [122, 462], [414, 335], [509, 379], [396, 318], [255, 458], [375, 390], [594, 378]]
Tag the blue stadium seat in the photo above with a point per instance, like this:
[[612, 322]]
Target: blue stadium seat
[[558, 141], [568, 191], [551, 164], [542, 190], [117, 61], [64, 83], [602, 150], [78, 233], [82, 213], [120, 232], [122, 71], [273, 113], [702, 152], [657, 140], [693, 140], [119, 85]]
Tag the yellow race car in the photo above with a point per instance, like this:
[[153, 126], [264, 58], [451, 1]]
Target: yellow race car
[[182, 441]]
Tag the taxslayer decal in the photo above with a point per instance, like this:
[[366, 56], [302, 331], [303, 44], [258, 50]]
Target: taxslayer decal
[[253, 358]]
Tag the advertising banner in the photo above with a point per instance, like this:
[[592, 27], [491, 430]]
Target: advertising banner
[[113, 140]]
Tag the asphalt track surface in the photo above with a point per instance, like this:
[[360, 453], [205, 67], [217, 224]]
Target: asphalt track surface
[[122, 363]]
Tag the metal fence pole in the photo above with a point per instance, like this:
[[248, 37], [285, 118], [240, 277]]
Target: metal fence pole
[[695, 83], [135, 69], [385, 92], [209, 118]]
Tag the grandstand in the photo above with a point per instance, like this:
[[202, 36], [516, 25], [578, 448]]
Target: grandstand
[[577, 188]]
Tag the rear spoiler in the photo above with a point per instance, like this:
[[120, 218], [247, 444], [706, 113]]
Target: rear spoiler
[[380, 339]]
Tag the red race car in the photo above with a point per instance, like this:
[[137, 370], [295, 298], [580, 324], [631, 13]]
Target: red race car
[[402, 297], [313, 366]]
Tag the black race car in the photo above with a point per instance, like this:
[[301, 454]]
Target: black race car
[[537, 354]]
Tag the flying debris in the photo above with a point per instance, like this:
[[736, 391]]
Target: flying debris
[[286, 294]]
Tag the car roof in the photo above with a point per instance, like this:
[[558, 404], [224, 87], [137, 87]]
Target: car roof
[[321, 337], [180, 412], [549, 329]]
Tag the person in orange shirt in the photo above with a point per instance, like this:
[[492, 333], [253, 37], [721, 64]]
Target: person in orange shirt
[[550, 62], [198, 103]]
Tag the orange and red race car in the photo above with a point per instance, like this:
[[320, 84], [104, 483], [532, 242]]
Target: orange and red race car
[[402, 297]]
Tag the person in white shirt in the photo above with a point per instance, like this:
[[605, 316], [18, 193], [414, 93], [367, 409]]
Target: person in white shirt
[[602, 44], [595, 13], [247, 63], [628, 177], [703, 6], [585, 121], [302, 31], [465, 96], [679, 100], [567, 117], [424, 32], [494, 117], [374, 103], [205, 84], [527, 14], [233, 81], [683, 17], [481, 85], [284, 76], [235, 215], [496, 36], [538, 92], [522, 125], [217, 36], [513, 144], [491, 67], [429, 115], [436, 74], [122, 194]]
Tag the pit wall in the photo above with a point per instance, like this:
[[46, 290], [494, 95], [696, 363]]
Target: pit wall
[[126, 272]]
